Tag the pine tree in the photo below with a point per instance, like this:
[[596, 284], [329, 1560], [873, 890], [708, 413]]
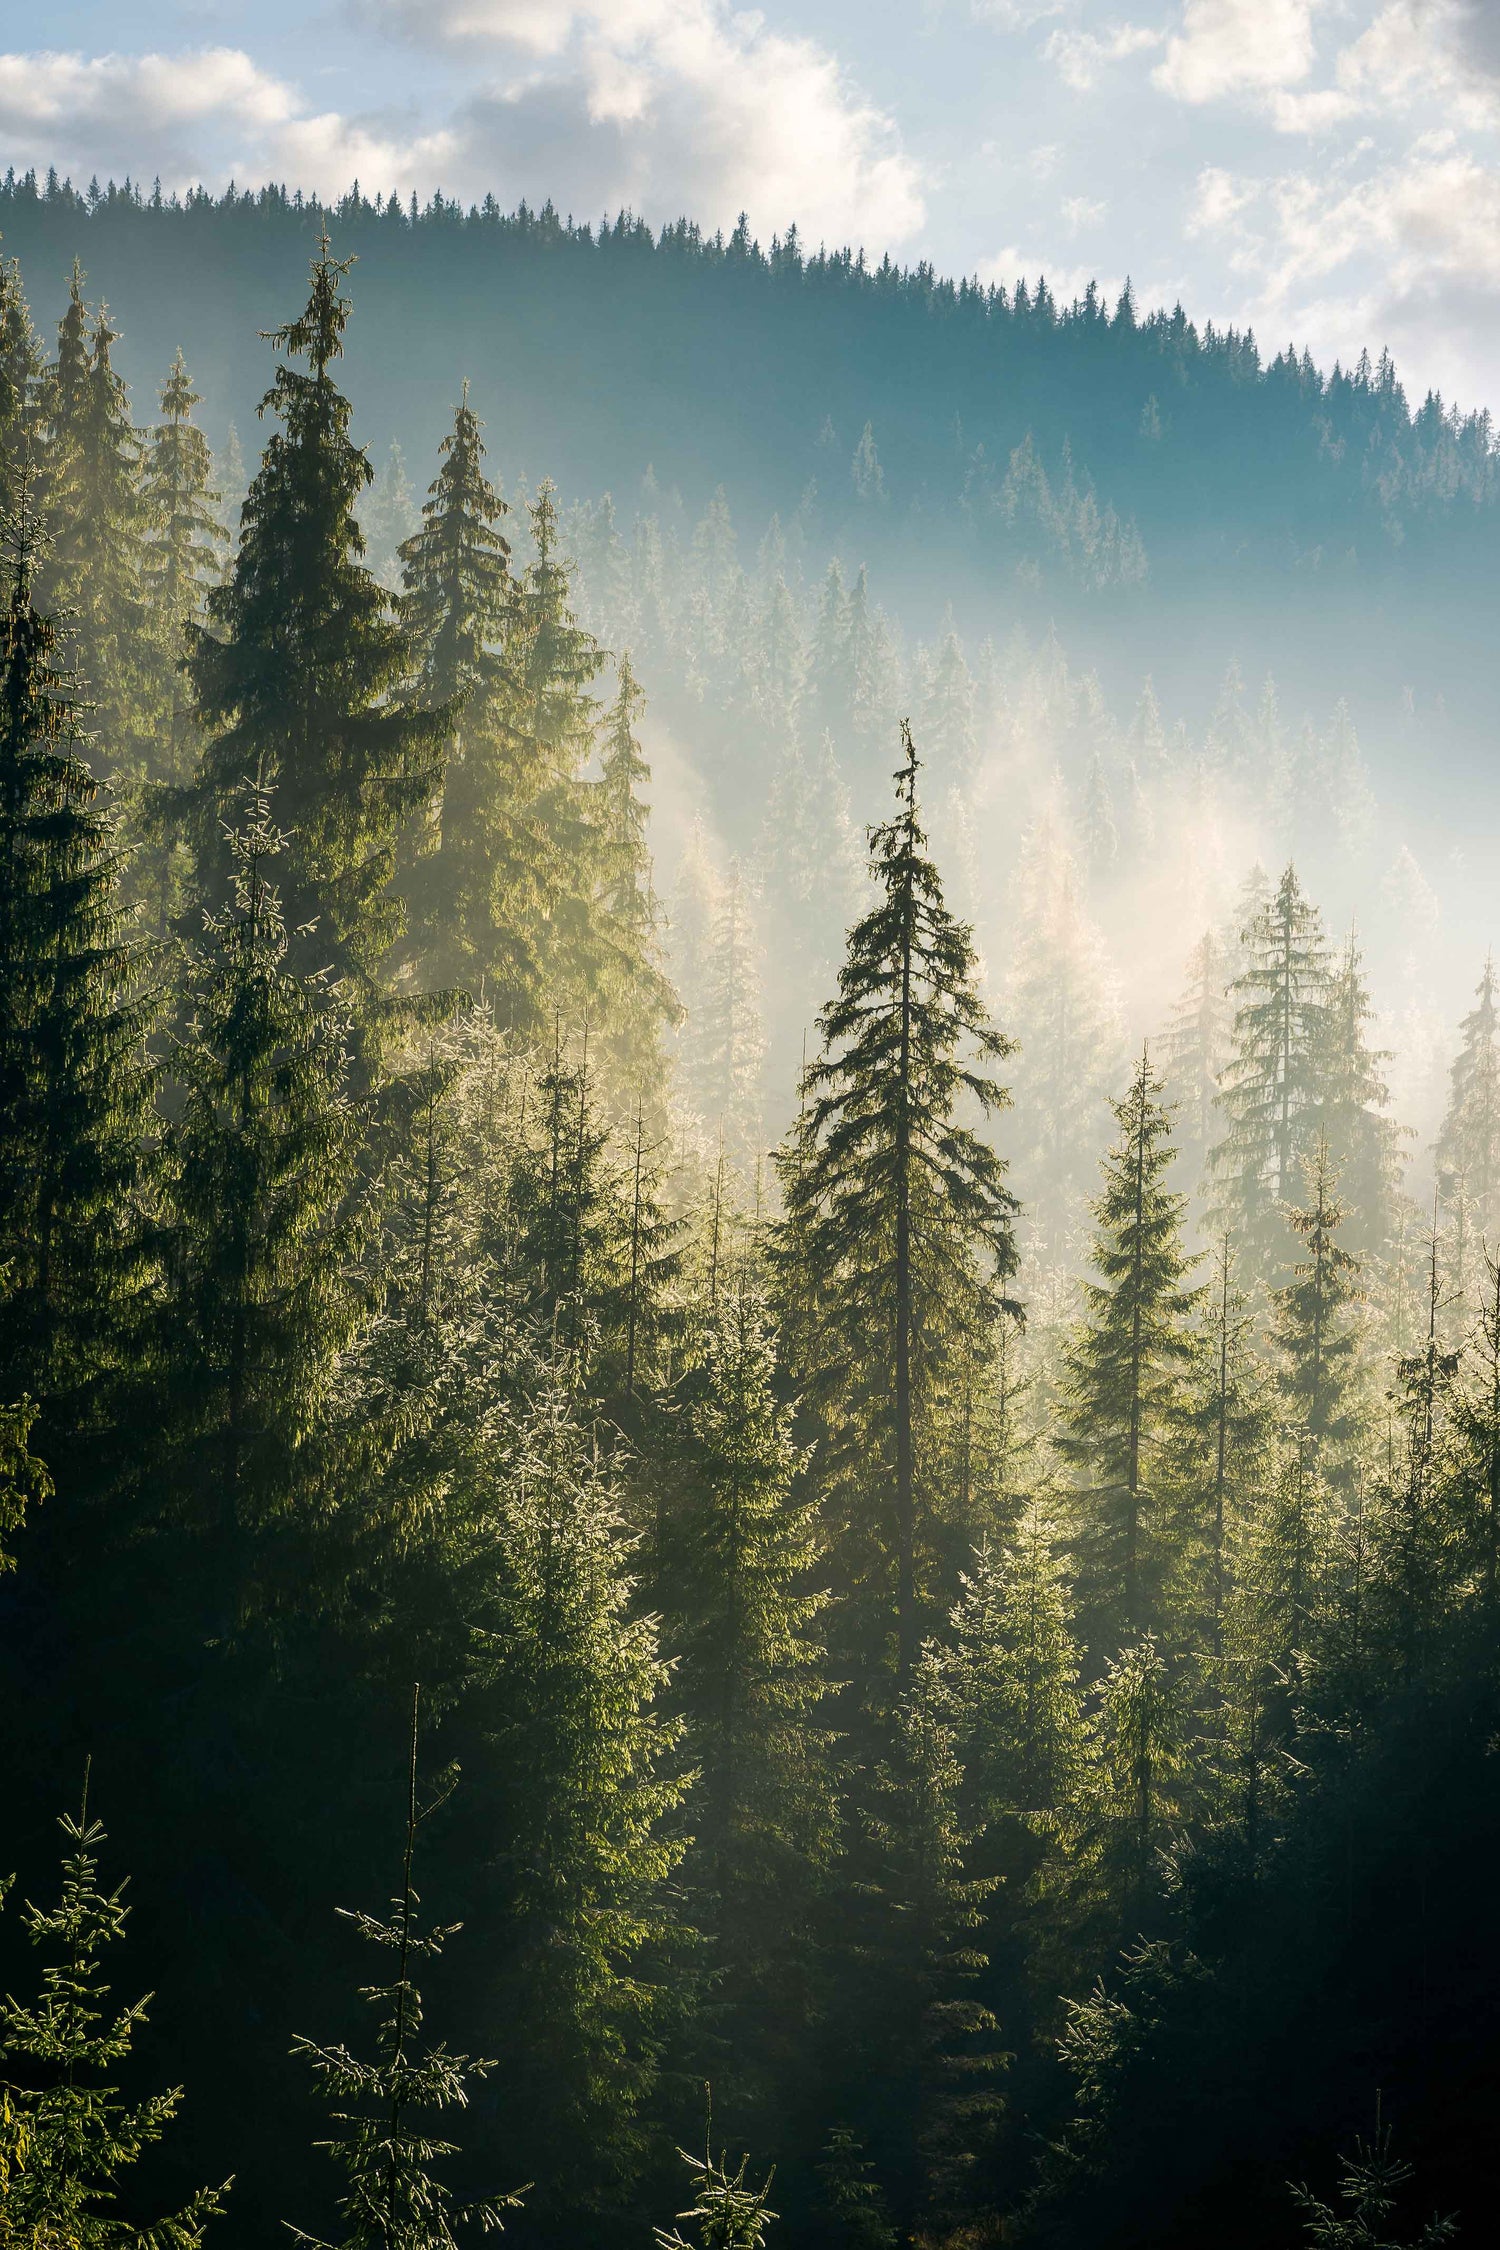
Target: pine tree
[[389, 518], [1194, 1050], [188, 543], [1363, 1142], [852, 2213], [295, 672], [932, 2056], [726, 2213], [1225, 1434], [1063, 1012], [75, 1084], [631, 992], [393, 2198], [1141, 1773], [474, 882], [266, 1210], [20, 388], [1011, 1678], [186, 554], [726, 1045], [1313, 1326], [897, 1213], [581, 1796], [1126, 1366], [595, 1257], [94, 495], [1468, 1147], [1418, 1544], [1369, 2190], [24, 1480], [1273, 1084], [555, 663], [744, 1623], [79, 2137]]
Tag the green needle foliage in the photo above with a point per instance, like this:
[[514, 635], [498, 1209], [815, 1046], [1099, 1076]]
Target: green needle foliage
[[897, 1240], [726, 2213], [393, 2198], [296, 670], [75, 1083], [76, 2136], [1126, 1367]]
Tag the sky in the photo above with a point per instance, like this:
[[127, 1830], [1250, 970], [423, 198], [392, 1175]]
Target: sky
[[1324, 171]]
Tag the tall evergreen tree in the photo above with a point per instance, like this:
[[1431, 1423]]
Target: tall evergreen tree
[[1194, 1050], [187, 546], [581, 1797], [20, 388], [1468, 1147], [745, 1624], [1126, 1366], [725, 1045], [1273, 1084], [264, 1283], [897, 1213], [99, 520], [296, 673], [1314, 1329], [1363, 1141], [631, 992], [75, 1083]]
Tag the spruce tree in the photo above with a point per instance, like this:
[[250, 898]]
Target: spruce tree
[[75, 1083], [555, 663], [1194, 1049], [478, 883], [265, 1206], [898, 1231], [187, 548], [726, 2213], [20, 388], [1314, 1329], [1011, 1676], [393, 2198], [744, 1621], [1364, 1143], [1125, 1369], [581, 1796], [93, 490], [78, 2136], [296, 671], [1468, 1147], [924, 2036], [24, 1480], [1273, 1084], [725, 1043], [631, 996]]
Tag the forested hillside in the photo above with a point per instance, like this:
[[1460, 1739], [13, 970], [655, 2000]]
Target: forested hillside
[[1185, 494], [749, 1361]]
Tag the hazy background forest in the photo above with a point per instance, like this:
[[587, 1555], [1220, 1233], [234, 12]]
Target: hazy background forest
[[953, 1571]]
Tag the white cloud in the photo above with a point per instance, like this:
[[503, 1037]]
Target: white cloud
[[1238, 47], [1081, 57], [671, 106], [90, 102], [203, 115], [1403, 253]]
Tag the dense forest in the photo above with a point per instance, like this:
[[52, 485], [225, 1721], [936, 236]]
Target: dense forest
[[1189, 493], [744, 1405]]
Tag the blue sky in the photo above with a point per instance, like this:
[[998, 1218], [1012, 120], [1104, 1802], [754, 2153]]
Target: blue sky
[[1326, 170]]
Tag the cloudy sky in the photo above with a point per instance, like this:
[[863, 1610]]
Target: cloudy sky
[[1328, 170]]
